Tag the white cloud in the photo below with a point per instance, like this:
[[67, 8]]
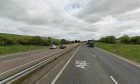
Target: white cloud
[[70, 19]]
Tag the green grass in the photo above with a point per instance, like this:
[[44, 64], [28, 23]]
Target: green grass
[[4, 50], [14, 36], [126, 50]]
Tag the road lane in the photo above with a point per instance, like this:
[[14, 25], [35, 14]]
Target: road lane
[[10, 64], [23, 54], [83, 69], [122, 71], [94, 66]]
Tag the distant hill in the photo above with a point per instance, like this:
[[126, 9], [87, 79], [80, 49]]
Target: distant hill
[[14, 39], [14, 36]]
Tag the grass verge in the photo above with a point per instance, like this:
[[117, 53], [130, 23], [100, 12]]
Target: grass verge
[[5, 50], [129, 51]]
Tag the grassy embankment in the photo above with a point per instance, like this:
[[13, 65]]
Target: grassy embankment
[[14, 36], [4, 50], [129, 51]]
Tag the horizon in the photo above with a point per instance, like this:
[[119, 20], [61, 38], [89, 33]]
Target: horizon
[[71, 19]]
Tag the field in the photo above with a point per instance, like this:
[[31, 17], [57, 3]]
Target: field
[[129, 51], [4, 50]]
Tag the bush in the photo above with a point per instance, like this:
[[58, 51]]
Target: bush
[[64, 41], [13, 39], [124, 39], [108, 39], [135, 40], [39, 41], [25, 41], [4, 41]]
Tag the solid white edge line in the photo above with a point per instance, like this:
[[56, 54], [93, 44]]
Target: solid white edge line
[[55, 79], [113, 79], [120, 57]]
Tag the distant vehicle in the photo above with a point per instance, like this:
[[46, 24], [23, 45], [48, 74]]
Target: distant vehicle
[[53, 46], [62, 46], [90, 43]]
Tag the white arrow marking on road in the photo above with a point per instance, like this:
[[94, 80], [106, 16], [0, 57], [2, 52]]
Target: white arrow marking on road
[[81, 64]]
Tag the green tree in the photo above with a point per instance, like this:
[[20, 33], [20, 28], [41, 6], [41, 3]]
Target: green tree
[[108, 39], [63, 41], [124, 39], [111, 39], [102, 39], [37, 40], [135, 40]]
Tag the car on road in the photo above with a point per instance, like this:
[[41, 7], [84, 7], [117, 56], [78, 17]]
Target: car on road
[[53, 46], [62, 46]]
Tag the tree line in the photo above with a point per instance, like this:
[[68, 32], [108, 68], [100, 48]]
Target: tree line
[[35, 40], [125, 39]]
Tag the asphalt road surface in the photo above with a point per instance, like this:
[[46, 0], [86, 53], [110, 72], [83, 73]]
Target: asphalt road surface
[[27, 54], [122, 71], [16, 62], [23, 54], [94, 66], [82, 68], [85, 66], [11, 62]]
